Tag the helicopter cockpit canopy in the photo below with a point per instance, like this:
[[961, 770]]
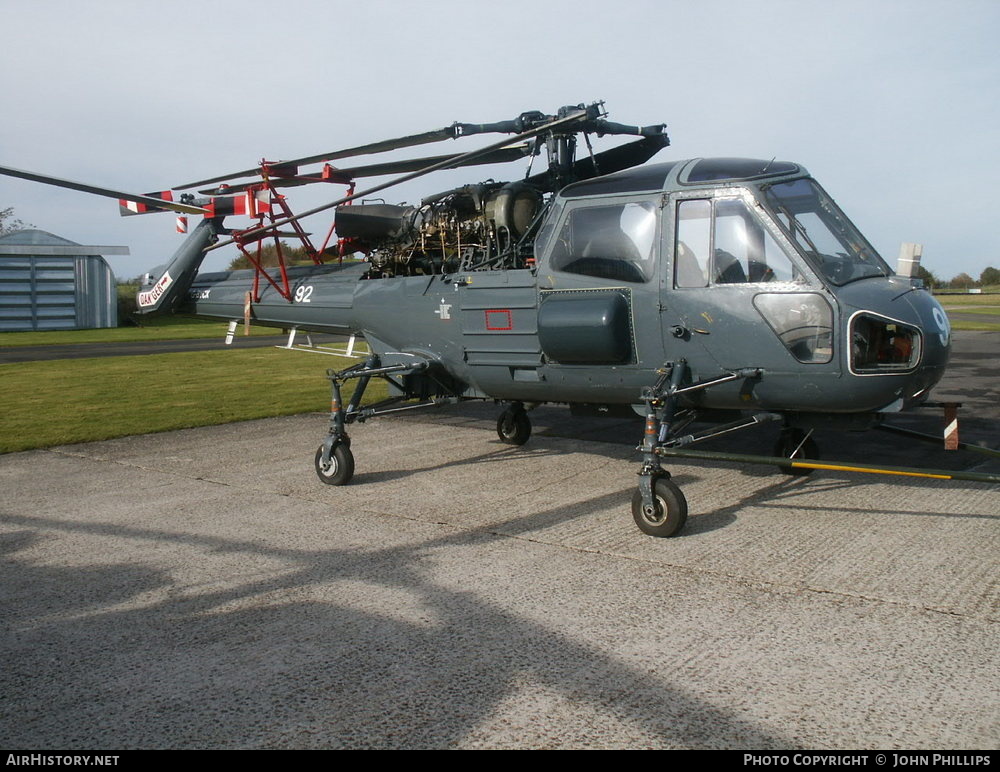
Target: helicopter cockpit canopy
[[821, 231]]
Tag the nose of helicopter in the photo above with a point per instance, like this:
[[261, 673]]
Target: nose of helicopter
[[936, 331], [935, 326], [895, 310]]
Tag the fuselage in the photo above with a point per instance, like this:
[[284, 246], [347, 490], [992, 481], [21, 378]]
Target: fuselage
[[728, 264]]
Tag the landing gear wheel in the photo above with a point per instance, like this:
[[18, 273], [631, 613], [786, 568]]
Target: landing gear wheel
[[787, 443], [669, 513], [513, 427], [341, 467]]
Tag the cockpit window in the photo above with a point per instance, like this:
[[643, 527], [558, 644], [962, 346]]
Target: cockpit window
[[547, 229], [711, 169], [610, 242], [822, 232], [721, 241]]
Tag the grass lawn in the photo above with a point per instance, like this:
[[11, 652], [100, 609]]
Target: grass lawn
[[64, 401], [154, 328], [985, 305], [988, 310], [993, 310], [964, 299], [979, 326]]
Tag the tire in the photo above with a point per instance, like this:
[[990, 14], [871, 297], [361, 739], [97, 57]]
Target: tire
[[341, 468], [671, 510], [788, 442], [513, 427]]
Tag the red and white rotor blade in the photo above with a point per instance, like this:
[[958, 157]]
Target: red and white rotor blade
[[142, 201]]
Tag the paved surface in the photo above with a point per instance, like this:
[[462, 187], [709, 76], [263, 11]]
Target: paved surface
[[973, 376], [202, 589]]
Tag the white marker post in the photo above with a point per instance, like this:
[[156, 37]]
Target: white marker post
[[908, 264]]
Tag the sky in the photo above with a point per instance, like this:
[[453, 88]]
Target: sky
[[891, 104]]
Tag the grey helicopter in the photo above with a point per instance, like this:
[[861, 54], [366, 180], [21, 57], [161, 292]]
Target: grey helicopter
[[732, 291]]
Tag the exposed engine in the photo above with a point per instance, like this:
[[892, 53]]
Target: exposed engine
[[487, 226]]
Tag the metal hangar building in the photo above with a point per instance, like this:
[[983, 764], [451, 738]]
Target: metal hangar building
[[50, 283]]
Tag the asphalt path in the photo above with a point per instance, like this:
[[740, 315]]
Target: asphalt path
[[202, 589], [964, 316]]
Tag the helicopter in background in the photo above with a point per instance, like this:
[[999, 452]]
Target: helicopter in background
[[724, 289]]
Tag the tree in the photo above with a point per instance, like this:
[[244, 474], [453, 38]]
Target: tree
[[962, 281], [930, 280], [9, 223], [269, 257], [989, 276]]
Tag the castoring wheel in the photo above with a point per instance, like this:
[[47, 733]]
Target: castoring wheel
[[514, 426], [341, 467], [795, 441], [669, 513]]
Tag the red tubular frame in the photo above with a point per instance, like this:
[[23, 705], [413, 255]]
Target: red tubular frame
[[277, 201]]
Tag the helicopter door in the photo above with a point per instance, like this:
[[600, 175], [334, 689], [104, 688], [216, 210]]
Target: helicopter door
[[733, 297], [597, 297], [596, 288]]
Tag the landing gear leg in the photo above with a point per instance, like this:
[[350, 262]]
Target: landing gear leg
[[658, 507], [513, 425], [334, 460]]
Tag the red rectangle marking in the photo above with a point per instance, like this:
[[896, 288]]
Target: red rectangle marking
[[499, 319]]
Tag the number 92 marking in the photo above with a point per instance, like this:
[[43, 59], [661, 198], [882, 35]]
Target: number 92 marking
[[303, 294]]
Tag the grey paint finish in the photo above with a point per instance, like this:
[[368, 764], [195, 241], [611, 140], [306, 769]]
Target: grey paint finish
[[483, 327]]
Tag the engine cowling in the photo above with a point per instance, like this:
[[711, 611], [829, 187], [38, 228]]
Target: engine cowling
[[475, 226]]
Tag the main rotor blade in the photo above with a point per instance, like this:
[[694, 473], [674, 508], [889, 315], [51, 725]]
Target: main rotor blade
[[503, 155], [384, 146], [524, 122], [438, 135], [107, 192], [614, 160], [574, 117]]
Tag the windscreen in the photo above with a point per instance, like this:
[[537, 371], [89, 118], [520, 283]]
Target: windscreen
[[823, 233]]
